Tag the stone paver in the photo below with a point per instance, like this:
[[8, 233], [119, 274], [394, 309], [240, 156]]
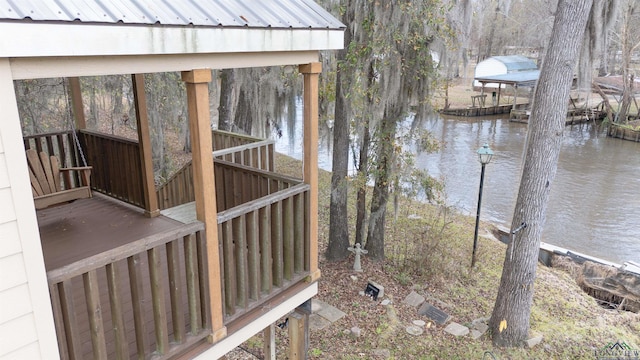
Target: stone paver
[[327, 311], [317, 322], [481, 327], [475, 334], [414, 330], [456, 329], [534, 341], [413, 299]]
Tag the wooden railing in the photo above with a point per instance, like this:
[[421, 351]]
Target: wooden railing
[[225, 139], [178, 189], [264, 246], [143, 299], [238, 184], [259, 155], [117, 170]]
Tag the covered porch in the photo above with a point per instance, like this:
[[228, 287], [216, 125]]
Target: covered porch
[[120, 279], [126, 281]]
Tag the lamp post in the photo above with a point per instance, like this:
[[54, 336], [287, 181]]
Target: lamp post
[[484, 155]]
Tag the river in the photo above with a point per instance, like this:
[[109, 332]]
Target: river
[[594, 206]]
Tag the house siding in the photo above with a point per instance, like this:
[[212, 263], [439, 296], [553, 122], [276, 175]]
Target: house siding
[[26, 319]]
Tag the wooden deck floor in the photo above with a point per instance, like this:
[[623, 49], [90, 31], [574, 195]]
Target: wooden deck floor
[[85, 227]]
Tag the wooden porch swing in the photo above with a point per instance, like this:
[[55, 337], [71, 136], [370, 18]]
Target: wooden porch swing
[[45, 172]]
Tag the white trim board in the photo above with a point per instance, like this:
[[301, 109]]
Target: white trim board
[[34, 39]]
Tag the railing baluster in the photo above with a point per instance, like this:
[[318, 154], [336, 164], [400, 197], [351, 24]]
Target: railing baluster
[[134, 264], [307, 231], [39, 145], [288, 240], [157, 299], [245, 187], [266, 276], [253, 255], [71, 323], [270, 156], [175, 287], [276, 243], [229, 267], [239, 237], [117, 314], [62, 151], [94, 310], [204, 277], [298, 232], [193, 290], [59, 321], [228, 180], [133, 186]]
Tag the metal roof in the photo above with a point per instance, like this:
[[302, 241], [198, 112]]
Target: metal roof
[[516, 62], [522, 78], [288, 14]]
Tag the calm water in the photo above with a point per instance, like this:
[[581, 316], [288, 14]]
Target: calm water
[[595, 201]]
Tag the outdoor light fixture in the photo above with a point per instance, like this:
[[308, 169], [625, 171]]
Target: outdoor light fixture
[[484, 155]]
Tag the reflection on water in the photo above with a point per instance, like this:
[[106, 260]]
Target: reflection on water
[[594, 206]]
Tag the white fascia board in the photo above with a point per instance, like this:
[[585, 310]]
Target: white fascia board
[[69, 66], [29, 39]]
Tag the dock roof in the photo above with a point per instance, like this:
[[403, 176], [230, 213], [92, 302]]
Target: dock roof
[[520, 79]]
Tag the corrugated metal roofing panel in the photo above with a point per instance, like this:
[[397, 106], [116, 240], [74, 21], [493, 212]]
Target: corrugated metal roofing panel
[[302, 14], [517, 63]]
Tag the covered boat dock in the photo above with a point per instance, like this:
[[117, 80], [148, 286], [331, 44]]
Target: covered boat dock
[[517, 80]]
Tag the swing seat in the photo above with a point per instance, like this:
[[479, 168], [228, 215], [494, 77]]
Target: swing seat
[[45, 174]]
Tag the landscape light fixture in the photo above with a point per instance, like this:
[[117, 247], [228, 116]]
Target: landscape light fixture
[[484, 155]]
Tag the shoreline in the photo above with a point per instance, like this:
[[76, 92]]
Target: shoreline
[[547, 251]]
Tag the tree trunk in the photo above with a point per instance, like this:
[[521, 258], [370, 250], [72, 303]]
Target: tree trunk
[[603, 70], [509, 321], [92, 121], [244, 116], [363, 162], [338, 220], [380, 198], [153, 86], [361, 200], [227, 83], [627, 49]]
